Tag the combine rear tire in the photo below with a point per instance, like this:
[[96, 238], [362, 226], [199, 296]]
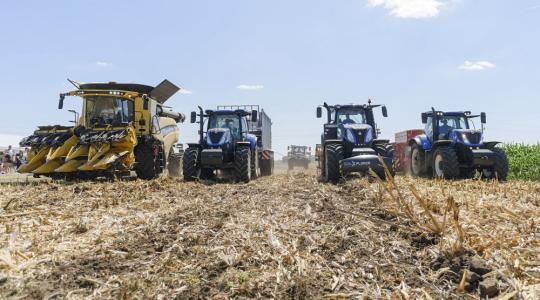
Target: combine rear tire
[[148, 156], [333, 155], [189, 164], [445, 163], [242, 164]]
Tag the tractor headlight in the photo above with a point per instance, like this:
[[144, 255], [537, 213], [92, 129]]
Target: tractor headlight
[[368, 137], [349, 136], [464, 138]]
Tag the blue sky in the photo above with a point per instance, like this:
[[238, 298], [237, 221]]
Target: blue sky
[[287, 56]]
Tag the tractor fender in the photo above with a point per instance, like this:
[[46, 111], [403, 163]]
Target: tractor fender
[[441, 143], [333, 141], [252, 139], [491, 145], [380, 141], [421, 140], [243, 144]]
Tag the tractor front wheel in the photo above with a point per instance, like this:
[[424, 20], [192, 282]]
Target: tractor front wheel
[[190, 166], [416, 162], [333, 155], [242, 164], [500, 166], [255, 172], [445, 163]]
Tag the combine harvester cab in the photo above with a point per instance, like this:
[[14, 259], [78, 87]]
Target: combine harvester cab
[[122, 128], [451, 147], [298, 156], [350, 142], [237, 140]]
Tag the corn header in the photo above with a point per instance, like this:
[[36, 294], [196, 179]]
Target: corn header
[[122, 128]]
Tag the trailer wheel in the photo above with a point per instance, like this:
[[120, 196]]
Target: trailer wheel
[[242, 164], [267, 166], [445, 163], [417, 163], [189, 164], [333, 154], [500, 166], [148, 157]]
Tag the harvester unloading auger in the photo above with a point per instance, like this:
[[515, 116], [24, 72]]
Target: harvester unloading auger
[[123, 127]]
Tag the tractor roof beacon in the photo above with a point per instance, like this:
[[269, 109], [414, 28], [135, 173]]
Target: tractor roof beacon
[[350, 142], [122, 127], [237, 140], [451, 148]]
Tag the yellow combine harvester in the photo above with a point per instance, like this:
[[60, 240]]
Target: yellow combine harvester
[[122, 127]]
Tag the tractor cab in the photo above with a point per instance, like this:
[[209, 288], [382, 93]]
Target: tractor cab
[[458, 127]]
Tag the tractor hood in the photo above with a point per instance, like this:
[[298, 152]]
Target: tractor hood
[[217, 137], [469, 137], [357, 134]]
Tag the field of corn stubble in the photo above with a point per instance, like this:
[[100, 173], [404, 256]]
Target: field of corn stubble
[[285, 236]]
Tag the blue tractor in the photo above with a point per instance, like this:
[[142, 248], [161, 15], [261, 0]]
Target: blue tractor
[[226, 145], [453, 148], [350, 142]]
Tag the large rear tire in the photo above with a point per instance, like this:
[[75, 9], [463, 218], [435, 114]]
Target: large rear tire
[[242, 164], [333, 155], [190, 166], [445, 163], [148, 157]]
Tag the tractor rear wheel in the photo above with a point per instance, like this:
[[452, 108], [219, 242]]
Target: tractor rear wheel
[[150, 160], [417, 162], [500, 166], [333, 155], [242, 164], [190, 166], [445, 163]]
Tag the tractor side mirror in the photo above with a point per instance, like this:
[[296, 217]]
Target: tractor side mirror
[[61, 101], [193, 117], [384, 112], [424, 118], [319, 112], [254, 115], [483, 118]]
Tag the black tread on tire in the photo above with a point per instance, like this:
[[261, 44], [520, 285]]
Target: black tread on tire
[[147, 163], [242, 162], [386, 150], [189, 164], [421, 162], [449, 164], [500, 165], [333, 154]]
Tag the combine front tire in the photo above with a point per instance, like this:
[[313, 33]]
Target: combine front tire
[[189, 164], [148, 161], [333, 155], [242, 164], [445, 163]]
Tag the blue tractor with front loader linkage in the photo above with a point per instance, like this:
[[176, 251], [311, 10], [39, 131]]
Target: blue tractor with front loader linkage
[[350, 144], [235, 142], [451, 148]]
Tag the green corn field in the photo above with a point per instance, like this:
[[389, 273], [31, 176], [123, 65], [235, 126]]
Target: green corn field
[[524, 161]]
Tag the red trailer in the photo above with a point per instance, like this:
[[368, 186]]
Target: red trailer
[[401, 151]]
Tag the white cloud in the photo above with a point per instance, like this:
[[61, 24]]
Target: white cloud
[[477, 65], [250, 87], [185, 92], [102, 64], [416, 9]]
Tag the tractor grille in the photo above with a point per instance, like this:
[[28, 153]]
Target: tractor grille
[[474, 137], [215, 136]]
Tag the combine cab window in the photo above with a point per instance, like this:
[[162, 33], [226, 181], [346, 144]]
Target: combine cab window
[[103, 111], [351, 116]]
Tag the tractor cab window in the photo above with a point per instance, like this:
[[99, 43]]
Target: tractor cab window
[[448, 123], [351, 116], [227, 121], [103, 111], [429, 128]]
